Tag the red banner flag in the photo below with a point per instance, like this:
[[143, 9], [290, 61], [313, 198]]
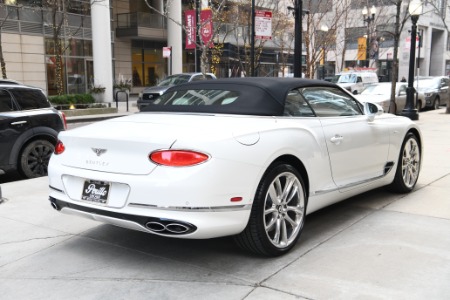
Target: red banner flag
[[191, 24], [206, 27]]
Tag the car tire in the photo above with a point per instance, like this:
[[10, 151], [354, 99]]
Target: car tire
[[275, 225], [436, 103], [408, 166], [34, 158], [419, 105]]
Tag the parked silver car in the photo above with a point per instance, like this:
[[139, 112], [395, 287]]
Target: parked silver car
[[435, 90], [380, 93], [151, 93]]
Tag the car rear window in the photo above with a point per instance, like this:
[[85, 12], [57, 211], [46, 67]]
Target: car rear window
[[198, 97], [30, 99], [217, 99]]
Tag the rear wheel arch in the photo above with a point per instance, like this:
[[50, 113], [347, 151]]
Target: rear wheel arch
[[278, 211], [416, 133], [297, 164], [25, 171], [27, 137]]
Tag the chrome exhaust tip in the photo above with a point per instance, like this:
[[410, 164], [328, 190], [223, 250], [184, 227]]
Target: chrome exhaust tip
[[54, 205], [169, 227], [155, 226], [177, 228]]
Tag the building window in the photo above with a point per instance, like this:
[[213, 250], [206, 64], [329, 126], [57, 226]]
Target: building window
[[385, 35], [439, 6], [359, 4], [82, 7], [325, 39], [10, 12], [352, 35], [76, 64], [148, 64], [141, 6], [318, 6]]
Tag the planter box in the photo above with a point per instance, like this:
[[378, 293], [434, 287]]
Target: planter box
[[89, 111], [99, 98]]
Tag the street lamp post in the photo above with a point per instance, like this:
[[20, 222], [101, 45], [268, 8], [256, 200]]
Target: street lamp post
[[368, 19], [297, 10], [415, 9], [252, 42]]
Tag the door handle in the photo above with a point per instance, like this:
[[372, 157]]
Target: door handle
[[19, 123], [337, 139]]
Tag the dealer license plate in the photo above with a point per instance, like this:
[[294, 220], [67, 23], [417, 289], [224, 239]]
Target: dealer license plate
[[95, 191]]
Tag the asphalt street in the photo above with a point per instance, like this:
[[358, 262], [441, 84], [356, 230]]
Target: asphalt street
[[374, 246]]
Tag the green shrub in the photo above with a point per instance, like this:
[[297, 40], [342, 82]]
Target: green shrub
[[72, 99]]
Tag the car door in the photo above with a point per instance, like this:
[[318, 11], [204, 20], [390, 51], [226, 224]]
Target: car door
[[357, 148], [400, 98], [12, 124]]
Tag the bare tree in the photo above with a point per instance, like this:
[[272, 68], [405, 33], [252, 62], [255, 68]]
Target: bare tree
[[241, 31], [283, 39], [318, 42], [217, 8], [235, 16], [398, 18]]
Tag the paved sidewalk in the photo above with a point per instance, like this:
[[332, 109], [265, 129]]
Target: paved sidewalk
[[374, 246]]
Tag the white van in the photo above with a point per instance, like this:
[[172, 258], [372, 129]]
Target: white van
[[355, 82]]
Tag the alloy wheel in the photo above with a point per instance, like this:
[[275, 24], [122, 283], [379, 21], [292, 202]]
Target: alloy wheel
[[284, 209], [410, 163]]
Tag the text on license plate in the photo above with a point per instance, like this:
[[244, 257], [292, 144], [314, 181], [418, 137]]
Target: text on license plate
[[95, 191]]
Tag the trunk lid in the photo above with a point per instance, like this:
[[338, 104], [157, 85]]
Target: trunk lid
[[122, 145]]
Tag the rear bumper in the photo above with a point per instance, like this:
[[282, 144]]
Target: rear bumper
[[189, 225]]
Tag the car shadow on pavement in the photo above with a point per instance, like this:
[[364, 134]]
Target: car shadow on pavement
[[320, 227], [10, 176]]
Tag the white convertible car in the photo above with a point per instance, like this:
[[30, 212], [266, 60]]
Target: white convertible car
[[248, 157]]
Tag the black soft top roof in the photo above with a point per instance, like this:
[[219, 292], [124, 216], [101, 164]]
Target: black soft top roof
[[258, 95]]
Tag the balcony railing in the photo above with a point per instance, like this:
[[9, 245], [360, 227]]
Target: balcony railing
[[140, 19]]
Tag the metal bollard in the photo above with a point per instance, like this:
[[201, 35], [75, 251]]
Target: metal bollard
[[117, 98]]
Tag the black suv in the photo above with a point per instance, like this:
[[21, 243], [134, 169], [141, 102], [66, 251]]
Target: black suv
[[29, 126]]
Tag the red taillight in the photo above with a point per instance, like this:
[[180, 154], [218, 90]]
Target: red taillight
[[178, 158], [63, 118], [59, 148]]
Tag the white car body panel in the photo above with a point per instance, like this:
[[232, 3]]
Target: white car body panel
[[241, 150], [353, 136]]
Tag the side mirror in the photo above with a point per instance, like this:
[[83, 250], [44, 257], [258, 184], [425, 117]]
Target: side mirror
[[371, 110]]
